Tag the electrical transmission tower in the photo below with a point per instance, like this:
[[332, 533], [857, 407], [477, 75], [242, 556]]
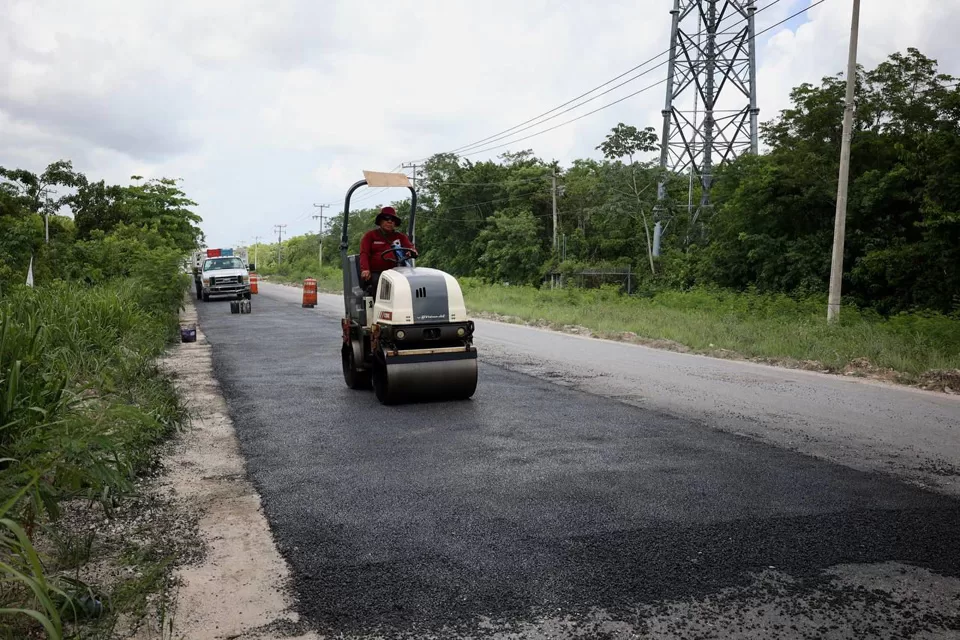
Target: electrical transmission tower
[[710, 113]]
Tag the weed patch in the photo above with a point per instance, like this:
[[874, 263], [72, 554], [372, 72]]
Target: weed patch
[[776, 328], [83, 409]]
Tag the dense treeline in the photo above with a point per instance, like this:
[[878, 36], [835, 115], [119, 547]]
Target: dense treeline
[[97, 232], [83, 403], [775, 225], [772, 225]]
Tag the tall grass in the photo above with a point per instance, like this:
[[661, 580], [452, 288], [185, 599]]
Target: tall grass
[[751, 324], [81, 406]]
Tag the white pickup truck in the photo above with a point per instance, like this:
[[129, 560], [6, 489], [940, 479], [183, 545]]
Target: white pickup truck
[[224, 276]]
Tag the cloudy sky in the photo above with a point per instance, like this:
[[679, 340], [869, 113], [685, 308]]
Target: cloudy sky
[[265, 107]]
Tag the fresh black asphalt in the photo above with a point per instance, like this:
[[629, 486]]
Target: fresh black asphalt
[[530, 498]]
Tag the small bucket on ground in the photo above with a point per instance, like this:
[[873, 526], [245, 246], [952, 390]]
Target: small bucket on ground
[[234, 306], [188, 333], [245, 306], [309, 293]]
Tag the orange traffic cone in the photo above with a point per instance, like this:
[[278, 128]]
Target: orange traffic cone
[[309, 293], [254, 281]]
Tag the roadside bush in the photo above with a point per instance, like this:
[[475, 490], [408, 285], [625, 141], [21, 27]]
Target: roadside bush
[[82, 407]]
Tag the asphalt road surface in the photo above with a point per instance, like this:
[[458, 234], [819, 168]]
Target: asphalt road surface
[[543, 509]]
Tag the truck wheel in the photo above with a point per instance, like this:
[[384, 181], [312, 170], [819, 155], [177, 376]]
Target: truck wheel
[[247, 295], [206, 297]]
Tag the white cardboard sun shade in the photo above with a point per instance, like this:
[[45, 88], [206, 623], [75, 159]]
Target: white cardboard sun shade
[[381, 179]]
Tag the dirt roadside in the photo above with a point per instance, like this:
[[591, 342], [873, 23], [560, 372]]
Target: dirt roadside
[[239, 590]]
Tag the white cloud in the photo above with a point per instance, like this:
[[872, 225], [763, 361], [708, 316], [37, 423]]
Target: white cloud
[[265, 108]]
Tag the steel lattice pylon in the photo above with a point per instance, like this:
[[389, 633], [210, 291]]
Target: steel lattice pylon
[[710, 113]]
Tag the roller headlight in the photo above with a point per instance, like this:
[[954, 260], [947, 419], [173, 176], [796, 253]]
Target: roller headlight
[[400, 334], [461, 332]]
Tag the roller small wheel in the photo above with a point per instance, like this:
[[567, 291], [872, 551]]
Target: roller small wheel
[[354, 377]]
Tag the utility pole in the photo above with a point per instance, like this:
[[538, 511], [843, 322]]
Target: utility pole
[[413, 165], [554, 178], [321, 207], [279, 228], [256, 245], [840, 222]]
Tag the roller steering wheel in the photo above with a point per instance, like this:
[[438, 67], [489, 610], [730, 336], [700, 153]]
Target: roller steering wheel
[[390, 254]]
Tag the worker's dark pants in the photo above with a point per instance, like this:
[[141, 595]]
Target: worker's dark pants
[[370, 286]]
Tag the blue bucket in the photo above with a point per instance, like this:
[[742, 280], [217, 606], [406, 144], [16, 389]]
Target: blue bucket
[[188, 334]]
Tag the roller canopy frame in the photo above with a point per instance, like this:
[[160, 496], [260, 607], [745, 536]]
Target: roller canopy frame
[[372, 179], [379, 180]]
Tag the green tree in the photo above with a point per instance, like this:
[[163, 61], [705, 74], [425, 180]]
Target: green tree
[[774, 223], [459, 197], [625, 141], [159, 204], [512, 247]]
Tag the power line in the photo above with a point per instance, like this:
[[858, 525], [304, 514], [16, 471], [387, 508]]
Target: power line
[[309, 212], [493, 184], [517, 128], [631, 95], [603, 93], [563, 124], [499, 135], [477, 204]]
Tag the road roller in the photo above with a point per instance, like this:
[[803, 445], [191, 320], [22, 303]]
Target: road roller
[[410, 339]]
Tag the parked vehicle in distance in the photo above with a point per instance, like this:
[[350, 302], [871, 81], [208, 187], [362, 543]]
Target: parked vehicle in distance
[[224, 276]]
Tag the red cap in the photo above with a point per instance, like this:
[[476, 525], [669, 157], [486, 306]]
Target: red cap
[[387, 212]]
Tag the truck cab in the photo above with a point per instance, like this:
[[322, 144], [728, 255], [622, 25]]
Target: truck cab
[[224, 276]]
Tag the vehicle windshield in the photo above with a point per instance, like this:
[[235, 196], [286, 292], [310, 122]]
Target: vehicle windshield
[[215, 264]]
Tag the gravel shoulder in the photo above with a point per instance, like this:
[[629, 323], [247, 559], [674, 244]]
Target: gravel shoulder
[[240, 589]]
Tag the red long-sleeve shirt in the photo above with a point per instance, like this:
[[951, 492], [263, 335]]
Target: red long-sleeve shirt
[[375, 242]]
